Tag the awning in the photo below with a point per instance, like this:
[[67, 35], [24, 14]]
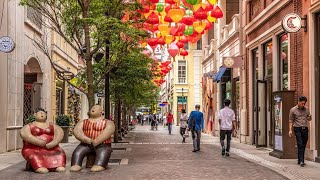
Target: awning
[[219, 74]]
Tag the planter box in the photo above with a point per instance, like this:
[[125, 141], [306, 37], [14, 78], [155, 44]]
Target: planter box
[[66, 130]]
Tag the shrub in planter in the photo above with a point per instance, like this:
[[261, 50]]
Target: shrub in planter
[[30, 119], [64, 122]]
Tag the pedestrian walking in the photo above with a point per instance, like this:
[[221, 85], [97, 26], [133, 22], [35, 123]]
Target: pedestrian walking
[[183, 124], [298, 119], [170, 121], [164, 121], [227, 121], [195, 124]]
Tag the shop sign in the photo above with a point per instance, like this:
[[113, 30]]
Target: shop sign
[[292, 23], [232, 62], [6, 44]]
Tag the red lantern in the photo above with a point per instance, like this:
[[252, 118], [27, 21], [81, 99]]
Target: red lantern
[[168, 7], [184, 53], [200, 14], [188, 20], [183, 39], [170, 1], [153, 42], [209, 25], [180, 44], [168, 19], [153, 18], [161, 41], [209, 7], [217, 12], [154, 1]]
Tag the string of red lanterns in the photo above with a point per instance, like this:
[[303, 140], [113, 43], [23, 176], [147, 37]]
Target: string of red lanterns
[[173, 23]]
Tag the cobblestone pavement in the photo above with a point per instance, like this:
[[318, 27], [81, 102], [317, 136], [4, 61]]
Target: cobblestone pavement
[[158, 155]]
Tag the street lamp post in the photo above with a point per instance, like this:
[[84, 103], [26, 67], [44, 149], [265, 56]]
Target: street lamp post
[[107, 83], [182, 100]]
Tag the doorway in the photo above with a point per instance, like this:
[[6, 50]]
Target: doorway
[[263, 89], [317, 84]]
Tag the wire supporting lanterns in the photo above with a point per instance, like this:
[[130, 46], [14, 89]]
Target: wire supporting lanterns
[[176, 14], [217, 12]]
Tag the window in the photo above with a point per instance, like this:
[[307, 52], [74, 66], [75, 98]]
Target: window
[[182, 72], [283, 63], [199, 44], [34, 17], [267, 52], [186, 46]]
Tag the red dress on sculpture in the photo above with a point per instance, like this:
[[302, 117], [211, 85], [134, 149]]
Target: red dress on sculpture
[[41, 156]]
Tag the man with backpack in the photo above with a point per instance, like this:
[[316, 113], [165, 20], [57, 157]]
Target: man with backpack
[[195, 124]]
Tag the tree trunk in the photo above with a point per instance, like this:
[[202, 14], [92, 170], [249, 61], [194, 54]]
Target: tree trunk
[[124, 121], [88, 57], [117, 120]]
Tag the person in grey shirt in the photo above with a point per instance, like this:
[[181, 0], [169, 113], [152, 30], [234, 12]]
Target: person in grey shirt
[[183, 124], [298, 121]]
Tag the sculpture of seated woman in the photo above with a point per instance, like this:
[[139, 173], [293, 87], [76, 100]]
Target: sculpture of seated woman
[[95, 136], [41, 144]]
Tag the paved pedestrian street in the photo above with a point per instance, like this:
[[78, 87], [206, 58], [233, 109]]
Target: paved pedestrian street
[[147, 154]]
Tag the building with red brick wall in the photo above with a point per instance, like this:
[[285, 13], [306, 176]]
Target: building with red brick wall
[[278, 61], [311, 47]]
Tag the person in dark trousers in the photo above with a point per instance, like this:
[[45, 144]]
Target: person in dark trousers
[[170, 121], [227, 121], [183, 124], [298, 122], [195, 124]]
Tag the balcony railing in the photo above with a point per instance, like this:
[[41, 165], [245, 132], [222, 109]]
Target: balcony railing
[[209, 49], [230, 28]]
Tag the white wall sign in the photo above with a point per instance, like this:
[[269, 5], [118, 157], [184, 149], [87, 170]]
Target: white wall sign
[[6, 44], [292, 23]]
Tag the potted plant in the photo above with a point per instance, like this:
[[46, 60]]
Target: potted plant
[[64, 121], [30, 119]]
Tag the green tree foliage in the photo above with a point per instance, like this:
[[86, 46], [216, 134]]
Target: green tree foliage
[[87, 25]]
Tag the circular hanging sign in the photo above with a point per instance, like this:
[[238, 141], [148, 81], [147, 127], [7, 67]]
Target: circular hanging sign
[[6, 44], [292, 23]]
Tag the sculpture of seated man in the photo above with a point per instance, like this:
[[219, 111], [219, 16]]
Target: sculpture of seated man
[[41, 144], [95, 136]]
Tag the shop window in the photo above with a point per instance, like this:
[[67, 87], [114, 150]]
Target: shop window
[[182, 72], [267, 60], [255, 64], [283, 63]]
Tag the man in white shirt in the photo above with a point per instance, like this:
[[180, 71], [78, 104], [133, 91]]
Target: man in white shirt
[[227, 122]]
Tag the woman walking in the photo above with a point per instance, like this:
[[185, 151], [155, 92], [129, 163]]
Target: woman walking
[[183, 124]]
